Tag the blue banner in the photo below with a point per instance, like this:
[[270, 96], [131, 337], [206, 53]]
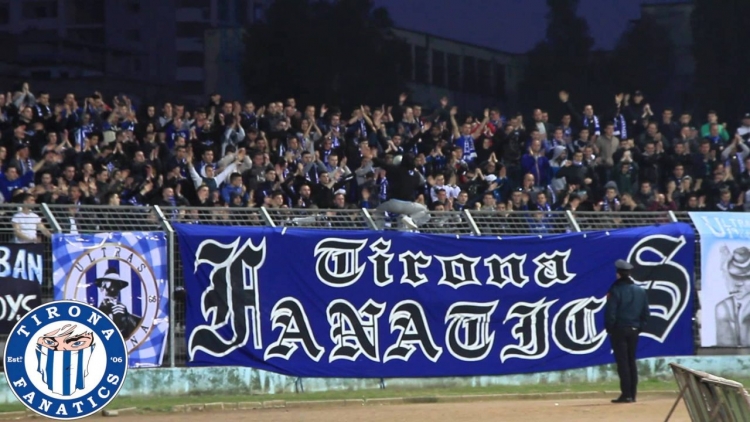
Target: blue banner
[[389, 304], [125, 276]]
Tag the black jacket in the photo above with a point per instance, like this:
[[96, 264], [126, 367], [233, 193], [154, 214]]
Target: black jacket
[[627, 306]]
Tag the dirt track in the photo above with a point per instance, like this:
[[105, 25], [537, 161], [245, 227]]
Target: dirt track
[[648, 409]]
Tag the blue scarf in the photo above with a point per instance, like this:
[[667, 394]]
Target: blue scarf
[[467, 144]]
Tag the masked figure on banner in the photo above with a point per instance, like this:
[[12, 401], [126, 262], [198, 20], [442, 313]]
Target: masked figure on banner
[[733, 313], [111, 284], [63, 357]]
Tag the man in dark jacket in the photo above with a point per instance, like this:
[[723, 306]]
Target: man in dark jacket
[[626, 315], [403, 182]]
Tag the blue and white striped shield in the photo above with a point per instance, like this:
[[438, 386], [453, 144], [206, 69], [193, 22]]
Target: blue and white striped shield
[[64, 371]]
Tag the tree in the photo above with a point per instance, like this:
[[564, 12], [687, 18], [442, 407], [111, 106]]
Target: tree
[[562, 59], [339, 53], [643, 58], [720, 34]]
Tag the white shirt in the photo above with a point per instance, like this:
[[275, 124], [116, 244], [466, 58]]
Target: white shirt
[[450, 191], [73, 226], [28, 224]]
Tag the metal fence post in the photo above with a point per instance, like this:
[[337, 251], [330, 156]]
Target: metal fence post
[[51, 218], [267, 217], [368, 218], [472, 223], [673, 217], [170, 265], [572, 220]]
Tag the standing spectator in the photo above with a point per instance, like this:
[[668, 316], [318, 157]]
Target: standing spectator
[[11, 181], [721, 129], [464, 137], [607, 145], [734, 155], [26, 223], [587, 120], [744, 129], [536, 163], [669, 128]]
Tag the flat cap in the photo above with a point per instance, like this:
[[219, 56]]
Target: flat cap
[[621, 264]]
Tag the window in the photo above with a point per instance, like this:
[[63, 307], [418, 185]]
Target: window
[[134, 6], [190, 88], [39, 10], [191, 3], [438, 68], [421, 66], [84, 12], [484, 78], [190, 59], [404, 59], [88, 35], [223, 8], [41, 75], [240, 11], [500, 80], [133, 35], [454, 72], [190, 30], [470, 74], [4, 13], [137, 65], [259, 12]]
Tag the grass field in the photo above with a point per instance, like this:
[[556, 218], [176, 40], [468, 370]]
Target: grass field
[[162, 404]]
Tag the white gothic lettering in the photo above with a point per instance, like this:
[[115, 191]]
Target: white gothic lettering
[[408, 318], [289, 315], [531, 330], [337, 262], [574, 326], [354, 332], [233, 291], [458, 271], [380, 262], [506, 270], [413, 266], [552, 268], [666, 282], [468, 336]]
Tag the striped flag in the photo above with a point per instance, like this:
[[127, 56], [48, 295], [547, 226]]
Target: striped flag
[[63, 371]]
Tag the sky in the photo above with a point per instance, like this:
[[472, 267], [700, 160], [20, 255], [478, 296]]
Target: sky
[[514, 26]]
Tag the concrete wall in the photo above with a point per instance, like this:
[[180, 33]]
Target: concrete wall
[[235, 380]]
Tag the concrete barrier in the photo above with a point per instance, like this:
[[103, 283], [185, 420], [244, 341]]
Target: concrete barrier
[[247, 381]]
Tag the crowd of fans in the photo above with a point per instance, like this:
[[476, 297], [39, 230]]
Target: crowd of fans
[[239, 154]]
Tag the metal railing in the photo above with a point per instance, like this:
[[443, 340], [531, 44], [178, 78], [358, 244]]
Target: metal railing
[[710, 398], [96, 219]]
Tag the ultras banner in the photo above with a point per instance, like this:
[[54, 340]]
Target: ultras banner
[[388, 304], [125, 276], [725, 278], [21, 277]]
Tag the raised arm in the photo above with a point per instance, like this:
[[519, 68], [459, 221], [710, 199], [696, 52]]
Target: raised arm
[[477, 133], [456, 132]]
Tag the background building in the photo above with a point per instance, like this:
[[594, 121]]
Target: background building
[[675, 19], [151, 49], [473, 77]]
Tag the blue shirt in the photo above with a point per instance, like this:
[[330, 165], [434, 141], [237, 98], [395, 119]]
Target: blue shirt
[[7, 186]]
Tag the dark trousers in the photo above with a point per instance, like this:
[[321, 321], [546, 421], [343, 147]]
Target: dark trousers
[[624, 345]]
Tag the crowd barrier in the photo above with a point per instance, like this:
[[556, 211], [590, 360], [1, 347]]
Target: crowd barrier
[[97, 219], [709, 398]]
